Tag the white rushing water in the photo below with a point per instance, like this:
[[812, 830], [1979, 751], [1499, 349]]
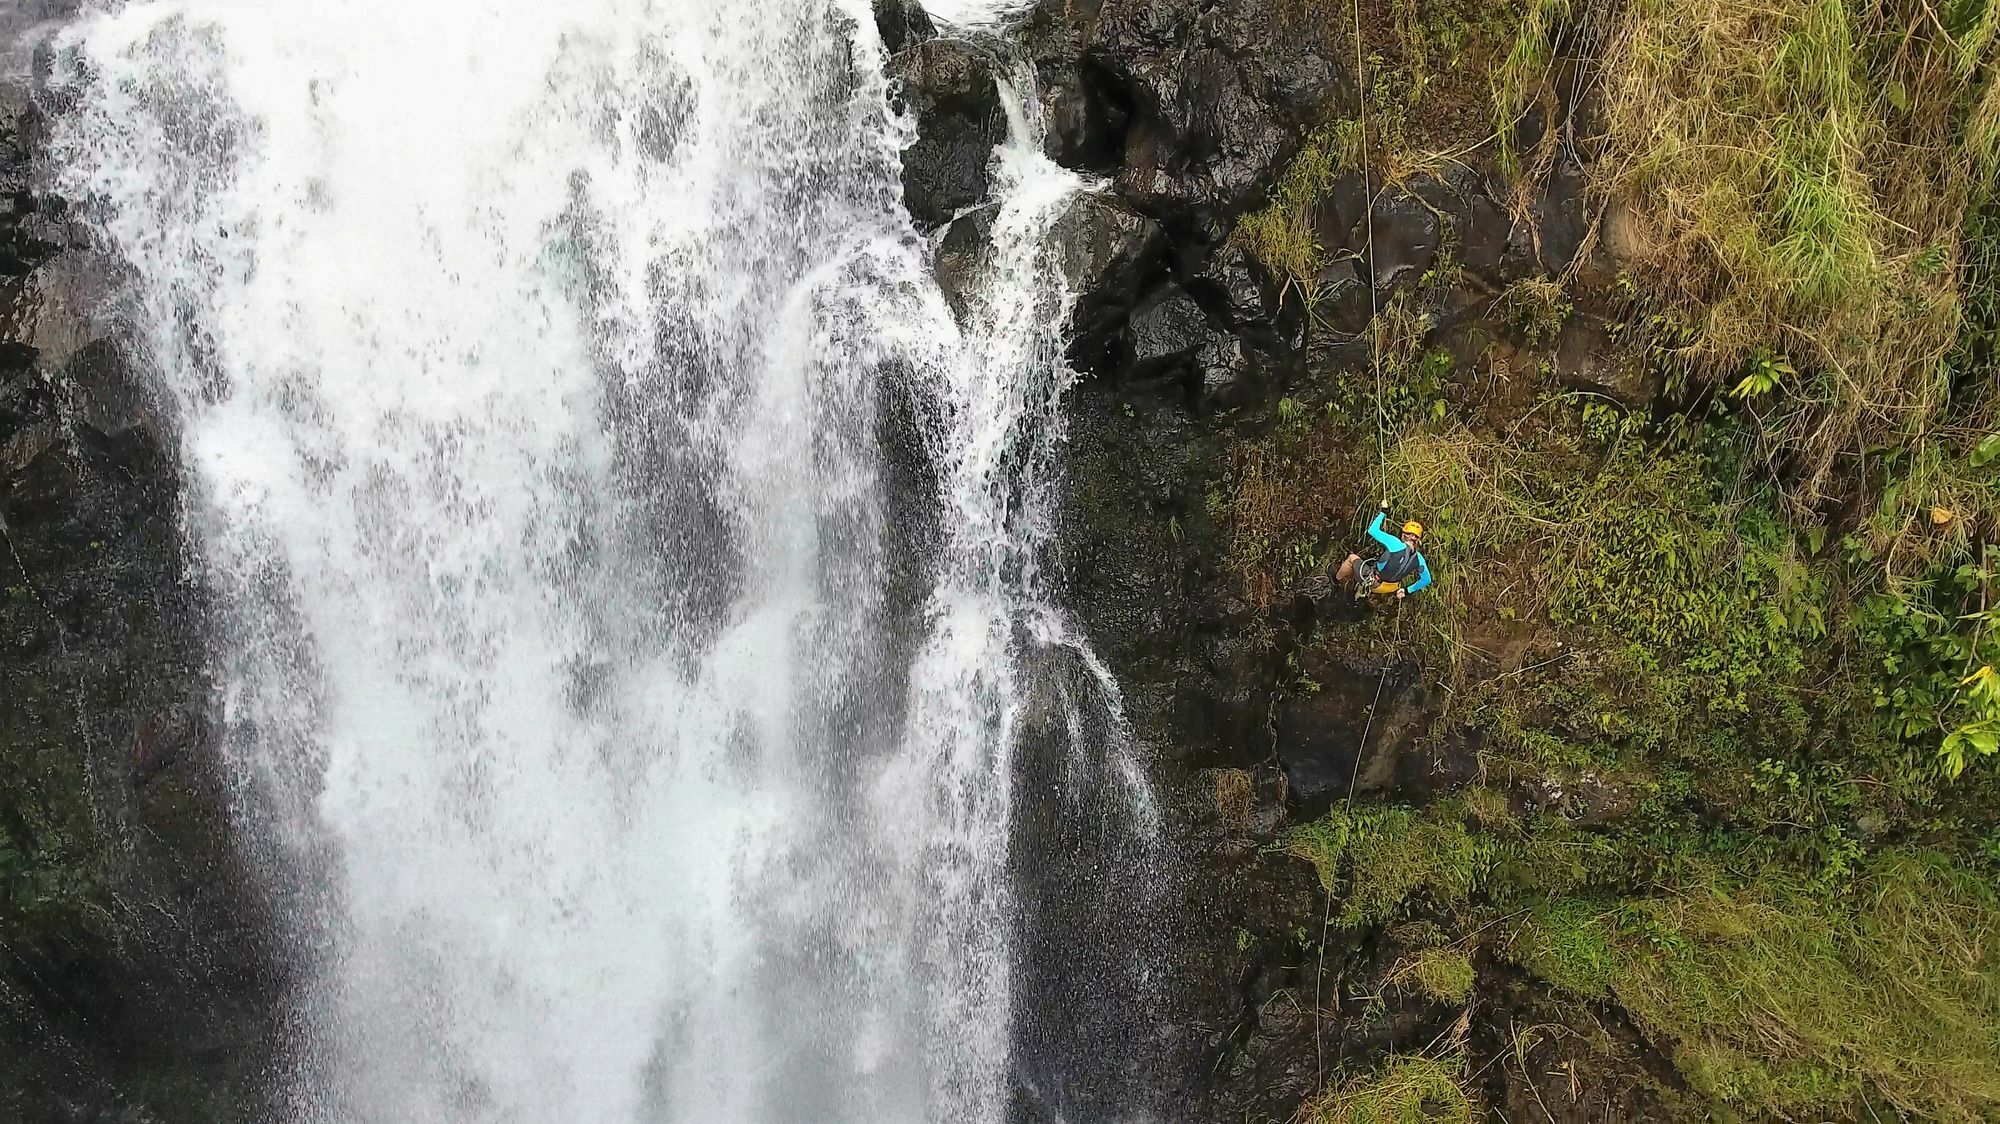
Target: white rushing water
[[625, 751]]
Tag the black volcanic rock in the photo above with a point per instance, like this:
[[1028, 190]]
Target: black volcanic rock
[[950, 86], [902, 24]]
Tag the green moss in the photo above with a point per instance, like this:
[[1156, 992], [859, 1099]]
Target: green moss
[[1565, 943], [1779, 998], [1385, 856], [1406, 1089], [1444, 974]]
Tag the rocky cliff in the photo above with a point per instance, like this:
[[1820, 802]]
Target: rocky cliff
[[1433, 850], [135, 979], [1649, 810]]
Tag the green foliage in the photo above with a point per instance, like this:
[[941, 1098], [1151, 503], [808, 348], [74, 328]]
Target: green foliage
[[1405, 1089], [1550, 857], [1280, 234], [1717, 589], [1779, 998], [1412, 376], [1536, 308], [1934, 643], [1386, 856], [1285, 503], [1607, 423], [1444, 974], [1763, 372]]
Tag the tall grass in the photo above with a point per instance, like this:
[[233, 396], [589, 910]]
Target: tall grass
[[1806, 168], [1519, 81], [1281, 234], [1406, 1089], [1782, 1001]]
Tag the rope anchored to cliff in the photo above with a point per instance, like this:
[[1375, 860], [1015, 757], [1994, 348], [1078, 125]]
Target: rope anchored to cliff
[[1368, 217], [1400, 569]]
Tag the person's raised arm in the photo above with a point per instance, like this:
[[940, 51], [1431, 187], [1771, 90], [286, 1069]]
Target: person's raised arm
[[1375, 531]]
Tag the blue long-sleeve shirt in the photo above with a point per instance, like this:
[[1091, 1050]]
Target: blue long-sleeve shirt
[[1395, 545]]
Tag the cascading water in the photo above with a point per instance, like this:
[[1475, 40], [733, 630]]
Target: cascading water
[[627, 747]]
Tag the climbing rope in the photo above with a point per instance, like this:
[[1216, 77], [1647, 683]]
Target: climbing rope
[[1367, 728], [1326, 919], [1368, 215], [1382, 477]]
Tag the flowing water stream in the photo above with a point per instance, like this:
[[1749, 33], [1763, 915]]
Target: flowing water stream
[[628, 570]]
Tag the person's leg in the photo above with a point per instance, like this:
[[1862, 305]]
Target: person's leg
[[1347, 568]]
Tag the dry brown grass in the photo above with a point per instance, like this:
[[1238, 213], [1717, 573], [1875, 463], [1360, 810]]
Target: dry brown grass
[[1292, 494], [1805, 169], [1235, 791]]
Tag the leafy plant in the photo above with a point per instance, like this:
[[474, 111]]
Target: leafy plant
[[1984, 452], [1936, 651], [1764, 372], [1537, 308]]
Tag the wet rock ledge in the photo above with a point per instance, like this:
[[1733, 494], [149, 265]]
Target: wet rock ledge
[[135, 982]]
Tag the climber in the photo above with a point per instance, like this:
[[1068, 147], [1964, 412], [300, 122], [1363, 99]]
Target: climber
[[1400, 559]]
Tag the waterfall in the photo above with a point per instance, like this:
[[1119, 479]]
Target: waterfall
[[626, 566]]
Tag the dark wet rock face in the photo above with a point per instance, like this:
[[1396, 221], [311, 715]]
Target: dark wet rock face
[[1165, 331], [1088, 113], [1191, 111], [136, 980], [1366, 734], [1239, 288], [1221, 95], [950, 86], [1202, 103], [1109, 253], [1587, 357], [902, 24], [960, 251], [1093, 919], [1403, 242]]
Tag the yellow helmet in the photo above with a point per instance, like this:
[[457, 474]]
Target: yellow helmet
[[1414, 528]]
